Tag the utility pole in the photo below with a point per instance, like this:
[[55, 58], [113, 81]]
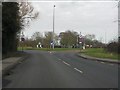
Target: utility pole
[[53, 25], [22, 40]]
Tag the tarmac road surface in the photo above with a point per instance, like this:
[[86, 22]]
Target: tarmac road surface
[[43, 69]]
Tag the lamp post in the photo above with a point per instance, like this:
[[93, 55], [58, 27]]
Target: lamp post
[[53, 26]]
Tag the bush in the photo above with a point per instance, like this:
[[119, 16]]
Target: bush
[[57, 46], [113, 47]]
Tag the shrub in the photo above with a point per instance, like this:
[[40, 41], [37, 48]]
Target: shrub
[[113, 47]]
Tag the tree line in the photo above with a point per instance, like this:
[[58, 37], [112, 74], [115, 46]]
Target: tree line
[[67, 39]]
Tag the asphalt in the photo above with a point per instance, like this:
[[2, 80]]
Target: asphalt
[[44, 69]]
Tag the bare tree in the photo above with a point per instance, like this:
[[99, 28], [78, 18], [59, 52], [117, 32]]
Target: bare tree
[[37, 37], [90, 36], [27, 13]]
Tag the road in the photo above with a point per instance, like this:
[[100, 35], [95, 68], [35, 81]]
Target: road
[[43, 69]]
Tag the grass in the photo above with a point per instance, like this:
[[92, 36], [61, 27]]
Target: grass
[[100, 53], [48, 49]]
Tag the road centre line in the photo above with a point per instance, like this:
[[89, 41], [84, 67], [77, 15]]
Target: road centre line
[[59, 59], [66, 63], [78, 70], [102, 62], [111, 64]]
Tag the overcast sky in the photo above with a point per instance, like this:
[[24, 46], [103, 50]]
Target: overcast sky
[[87, 17]]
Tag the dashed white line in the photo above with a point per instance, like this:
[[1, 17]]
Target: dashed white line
[[111, 64], [59, 59], [103, 62], [66, 63], [78, 70]]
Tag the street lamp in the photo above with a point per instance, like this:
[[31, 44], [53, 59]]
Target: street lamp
[[53, 25]]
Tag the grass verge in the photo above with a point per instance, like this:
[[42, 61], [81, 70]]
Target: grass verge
[[100, 53]]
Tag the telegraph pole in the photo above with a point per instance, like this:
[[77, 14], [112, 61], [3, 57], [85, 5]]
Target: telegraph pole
[[53, 25], [22, 40]]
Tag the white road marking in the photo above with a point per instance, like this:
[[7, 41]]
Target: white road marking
[[102, 62], [78, 70], [112, 64], [59, 59], [66, 63]]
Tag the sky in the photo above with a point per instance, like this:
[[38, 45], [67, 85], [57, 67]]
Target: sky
[[87, 17]]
